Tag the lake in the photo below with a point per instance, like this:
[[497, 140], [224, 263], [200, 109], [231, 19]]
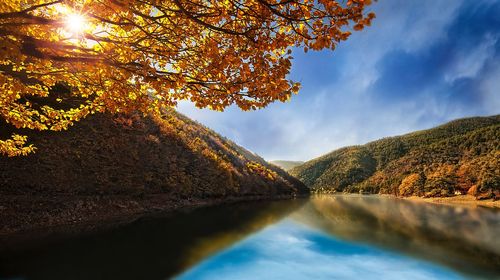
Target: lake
[[321, 237]]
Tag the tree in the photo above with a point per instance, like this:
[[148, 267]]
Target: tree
[[143, 55], [412, 185]]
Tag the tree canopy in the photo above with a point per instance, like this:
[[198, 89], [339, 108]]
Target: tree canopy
[[63, 60]]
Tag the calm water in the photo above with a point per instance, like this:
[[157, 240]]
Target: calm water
[[324, 237]]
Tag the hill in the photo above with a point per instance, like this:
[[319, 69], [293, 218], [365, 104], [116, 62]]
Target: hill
[[114, 166], [286, 164], [462, 156]]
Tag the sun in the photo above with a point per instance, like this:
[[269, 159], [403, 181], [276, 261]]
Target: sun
[[75, 23]]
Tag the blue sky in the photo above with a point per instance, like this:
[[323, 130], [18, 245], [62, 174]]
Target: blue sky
[[422, 63]]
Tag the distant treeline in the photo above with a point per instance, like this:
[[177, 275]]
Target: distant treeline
[[462, 156]]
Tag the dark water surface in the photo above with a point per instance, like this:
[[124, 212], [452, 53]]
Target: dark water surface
[[323, 237]]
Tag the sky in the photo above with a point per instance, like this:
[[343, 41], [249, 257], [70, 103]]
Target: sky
[[420, 64]]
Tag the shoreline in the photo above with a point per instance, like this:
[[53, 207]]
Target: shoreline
[[458, 200], [103, 218], [463, 200], [93, 215]]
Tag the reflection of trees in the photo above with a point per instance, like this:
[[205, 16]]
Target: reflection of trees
[[148, 249], [455, 236]]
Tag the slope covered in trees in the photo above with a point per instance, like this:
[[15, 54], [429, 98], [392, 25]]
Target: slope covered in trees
[[462, 156], [114, 165]]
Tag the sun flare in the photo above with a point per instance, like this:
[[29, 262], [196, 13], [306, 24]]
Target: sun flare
[[75, 23]]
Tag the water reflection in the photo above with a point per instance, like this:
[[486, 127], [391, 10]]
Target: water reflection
[[465, 239], [154, 248], [324, 237], [289, 250]]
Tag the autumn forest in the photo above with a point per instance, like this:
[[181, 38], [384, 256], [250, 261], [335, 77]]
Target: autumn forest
[[244, 139]]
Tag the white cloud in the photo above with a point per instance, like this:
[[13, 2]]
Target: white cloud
[[468, 63], [490, 88]]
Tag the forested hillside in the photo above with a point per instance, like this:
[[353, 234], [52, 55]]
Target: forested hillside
[[109, 165], [462, 156]]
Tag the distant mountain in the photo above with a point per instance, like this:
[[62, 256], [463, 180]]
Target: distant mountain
[[458, 157], [286, 164], [107, 166]]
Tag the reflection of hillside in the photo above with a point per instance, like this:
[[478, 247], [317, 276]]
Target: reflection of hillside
[[148, 249], [449, 235]]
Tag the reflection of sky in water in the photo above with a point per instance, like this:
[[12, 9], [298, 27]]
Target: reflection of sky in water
[[288, 250]]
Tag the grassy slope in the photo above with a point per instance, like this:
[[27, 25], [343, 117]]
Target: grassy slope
[[111, 165], [453, 157]]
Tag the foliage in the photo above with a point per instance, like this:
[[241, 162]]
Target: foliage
[[442, 161], [15, 146], [262, 170], [411, 184], [123, 56]]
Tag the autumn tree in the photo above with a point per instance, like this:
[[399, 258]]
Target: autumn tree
[[412, 185], [143, 55]]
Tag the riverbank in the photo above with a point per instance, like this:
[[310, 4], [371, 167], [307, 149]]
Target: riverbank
[[46, 215], [465, 200]]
